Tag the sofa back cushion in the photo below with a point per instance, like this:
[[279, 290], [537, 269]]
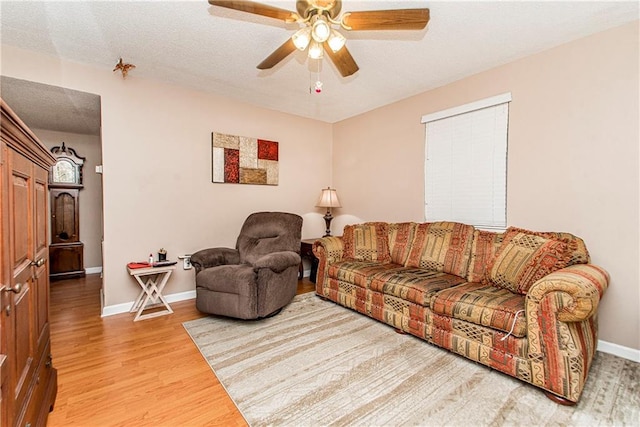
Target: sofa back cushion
[[366, 242], [400, 237], [524, 258], [484, 248], [442, 246]]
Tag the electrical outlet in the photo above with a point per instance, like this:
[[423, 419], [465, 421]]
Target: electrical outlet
[[186, 261]]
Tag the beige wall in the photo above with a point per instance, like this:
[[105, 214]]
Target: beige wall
[[573, 157], [87, 146], [157, 166]]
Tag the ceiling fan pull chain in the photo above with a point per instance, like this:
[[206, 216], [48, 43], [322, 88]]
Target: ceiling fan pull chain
[[317, 86]]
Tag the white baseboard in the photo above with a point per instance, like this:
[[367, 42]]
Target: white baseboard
[[110, 310], [93, 270], [620, 351]]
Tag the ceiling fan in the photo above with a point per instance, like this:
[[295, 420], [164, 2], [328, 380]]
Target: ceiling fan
[[317, 17]]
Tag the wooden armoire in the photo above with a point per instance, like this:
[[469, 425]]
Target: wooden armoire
[[28, 381]]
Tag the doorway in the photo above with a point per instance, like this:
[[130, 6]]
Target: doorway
[[59, 115]]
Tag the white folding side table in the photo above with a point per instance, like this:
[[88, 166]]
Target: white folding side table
[[152, 280]]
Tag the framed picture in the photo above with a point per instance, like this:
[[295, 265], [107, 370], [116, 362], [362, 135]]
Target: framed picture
[[243, 160]]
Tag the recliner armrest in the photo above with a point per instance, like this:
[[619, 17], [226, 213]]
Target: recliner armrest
[[278, 261], [213, 257]]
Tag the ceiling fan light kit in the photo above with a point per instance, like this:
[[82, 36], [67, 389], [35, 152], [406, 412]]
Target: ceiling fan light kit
[[317, 17]]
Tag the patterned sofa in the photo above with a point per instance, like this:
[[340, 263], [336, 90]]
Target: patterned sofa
[[521, 302]]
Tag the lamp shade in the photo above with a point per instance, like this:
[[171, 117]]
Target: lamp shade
[[329, 199]]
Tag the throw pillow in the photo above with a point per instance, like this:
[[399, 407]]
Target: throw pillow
[[525, 258], [576, 246], [484, 248], [366, 242], [443, 247]]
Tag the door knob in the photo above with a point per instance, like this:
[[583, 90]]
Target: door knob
[[38, 263], [15, 289]]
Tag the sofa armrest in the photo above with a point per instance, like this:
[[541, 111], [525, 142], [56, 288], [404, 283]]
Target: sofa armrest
[[213, 257], [328, 250], [562, 327], [578, 290], [278, 261]]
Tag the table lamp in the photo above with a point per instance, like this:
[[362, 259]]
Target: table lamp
[[328, 199]]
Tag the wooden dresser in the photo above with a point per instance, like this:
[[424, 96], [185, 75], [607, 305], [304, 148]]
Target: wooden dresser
[[28, 380]]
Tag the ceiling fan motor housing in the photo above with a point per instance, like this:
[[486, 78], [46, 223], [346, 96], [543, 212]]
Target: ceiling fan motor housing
[[306, 8]]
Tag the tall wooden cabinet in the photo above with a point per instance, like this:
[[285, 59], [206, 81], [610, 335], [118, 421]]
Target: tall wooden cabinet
[[28, 380]]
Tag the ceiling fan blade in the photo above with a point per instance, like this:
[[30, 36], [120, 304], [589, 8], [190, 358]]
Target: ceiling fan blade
[[258, 9], [278, 55], [397, 19], [342, 59]]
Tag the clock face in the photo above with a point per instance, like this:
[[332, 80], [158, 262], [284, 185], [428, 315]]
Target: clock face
[[65, 172]]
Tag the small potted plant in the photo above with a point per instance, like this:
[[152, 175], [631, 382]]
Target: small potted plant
[[162, 254]]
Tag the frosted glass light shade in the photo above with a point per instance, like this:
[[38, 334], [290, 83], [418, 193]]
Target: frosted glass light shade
[[336, 41], [320, 31], [301, 38], [315, 50]]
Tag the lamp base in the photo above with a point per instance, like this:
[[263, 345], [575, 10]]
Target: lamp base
[[327, 220]]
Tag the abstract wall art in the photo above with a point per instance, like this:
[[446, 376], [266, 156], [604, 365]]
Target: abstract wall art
[[243, 160]]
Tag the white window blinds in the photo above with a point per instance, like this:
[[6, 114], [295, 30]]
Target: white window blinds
[[466, 164]]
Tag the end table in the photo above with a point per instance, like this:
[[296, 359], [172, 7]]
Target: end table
[[152, 280], [306, 251]]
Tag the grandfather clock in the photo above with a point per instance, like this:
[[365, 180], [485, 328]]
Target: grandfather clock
[[65, 182]]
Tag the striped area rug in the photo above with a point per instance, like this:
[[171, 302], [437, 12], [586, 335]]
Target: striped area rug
[[318, 364]]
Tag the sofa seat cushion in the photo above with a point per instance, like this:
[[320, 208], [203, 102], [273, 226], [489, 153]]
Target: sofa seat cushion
[[358, 273], [413, 284], [484, 305]]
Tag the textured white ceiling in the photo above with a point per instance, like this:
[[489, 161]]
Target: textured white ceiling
[[209, 48]]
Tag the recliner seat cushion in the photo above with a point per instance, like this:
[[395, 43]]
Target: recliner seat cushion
[[231, 279], [484, 305]]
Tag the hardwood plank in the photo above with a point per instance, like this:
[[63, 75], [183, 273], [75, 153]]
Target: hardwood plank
[[113, 371]]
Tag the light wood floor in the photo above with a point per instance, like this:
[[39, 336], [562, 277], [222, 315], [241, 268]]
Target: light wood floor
[[114, 372]]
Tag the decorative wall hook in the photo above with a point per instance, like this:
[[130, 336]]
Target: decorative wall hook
[[124, 68]]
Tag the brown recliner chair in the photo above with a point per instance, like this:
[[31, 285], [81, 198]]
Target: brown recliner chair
[[259, 276]]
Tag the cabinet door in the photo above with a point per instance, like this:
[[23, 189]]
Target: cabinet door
[[41, 267], [5, 406], [21, 304]]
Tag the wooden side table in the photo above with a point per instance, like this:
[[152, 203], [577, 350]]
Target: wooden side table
[[306, 251], [152, 280]]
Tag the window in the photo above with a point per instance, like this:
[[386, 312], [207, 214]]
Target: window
[[466, 163]]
